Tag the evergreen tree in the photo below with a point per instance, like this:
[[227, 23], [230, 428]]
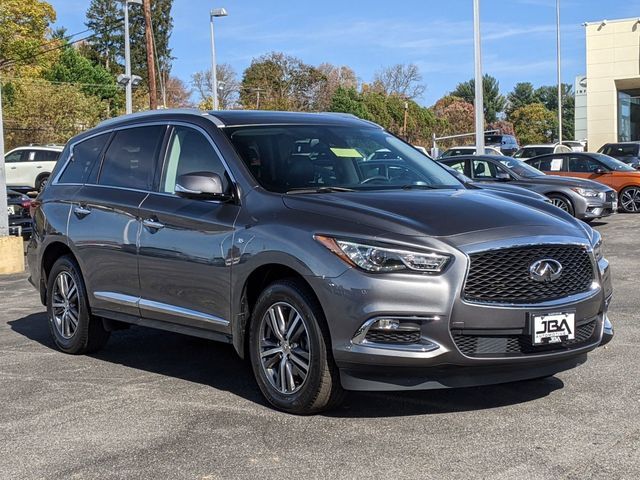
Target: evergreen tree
[[104, 17]]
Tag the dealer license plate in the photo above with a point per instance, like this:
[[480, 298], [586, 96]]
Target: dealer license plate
[[553, 328]]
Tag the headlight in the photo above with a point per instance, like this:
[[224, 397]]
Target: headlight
[[374, 258], [597, 245], [586, 192]]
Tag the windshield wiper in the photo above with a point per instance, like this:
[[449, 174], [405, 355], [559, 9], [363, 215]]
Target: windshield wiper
[[320, 190]]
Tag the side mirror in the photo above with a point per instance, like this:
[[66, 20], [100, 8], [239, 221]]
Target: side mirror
[[503, 176], [599, 171], [202, 186]]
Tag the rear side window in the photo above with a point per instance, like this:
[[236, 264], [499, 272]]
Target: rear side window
[[46, 156], [620, 150], [85, 156], [130, 159]]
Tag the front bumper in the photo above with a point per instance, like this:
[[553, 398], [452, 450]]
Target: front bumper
[[439, 360]]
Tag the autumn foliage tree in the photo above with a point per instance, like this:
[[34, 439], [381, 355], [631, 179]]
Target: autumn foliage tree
[[534, 123]]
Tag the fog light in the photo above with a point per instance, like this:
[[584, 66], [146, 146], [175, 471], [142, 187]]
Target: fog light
[[387, 324]]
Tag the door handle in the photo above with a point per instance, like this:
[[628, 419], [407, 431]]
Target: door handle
[[38, 166], [13, 168], [81, 211], [152, 224]]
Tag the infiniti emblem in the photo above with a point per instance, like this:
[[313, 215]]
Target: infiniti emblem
[[546, 270]]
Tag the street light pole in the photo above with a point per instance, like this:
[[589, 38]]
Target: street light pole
[[4, 212], [479, 101], [216, 12], [559, 75], [127, 59]]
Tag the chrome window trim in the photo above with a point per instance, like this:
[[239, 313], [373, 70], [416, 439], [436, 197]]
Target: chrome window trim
[[158, 307], [144, 124]]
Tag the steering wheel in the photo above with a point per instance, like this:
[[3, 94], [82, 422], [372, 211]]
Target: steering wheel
[[373, 179]]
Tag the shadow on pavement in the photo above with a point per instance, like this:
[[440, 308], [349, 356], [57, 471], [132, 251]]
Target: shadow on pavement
[[217, 365]]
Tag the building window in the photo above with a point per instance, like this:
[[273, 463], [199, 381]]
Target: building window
[[628, 115]]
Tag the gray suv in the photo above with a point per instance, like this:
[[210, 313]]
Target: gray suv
[[270, 231]]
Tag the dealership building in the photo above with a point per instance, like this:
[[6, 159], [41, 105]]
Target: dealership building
[[608, 96]]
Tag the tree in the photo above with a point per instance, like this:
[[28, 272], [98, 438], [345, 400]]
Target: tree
[[348, 100], [534, 123], [42, 112], [400, 79], [522, 94], [228, 87], [285, 83], [503, 126], [24, 26], [335, 77], [493, 101], [92, 79], [548, 95], [178, 95], [162, 23], [104, 17], [455, 116]]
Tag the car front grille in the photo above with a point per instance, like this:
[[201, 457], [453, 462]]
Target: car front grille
[[518, 345], [502, 276]]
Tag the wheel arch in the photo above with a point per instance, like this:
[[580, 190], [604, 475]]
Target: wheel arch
[[254, 284], [52, 252]]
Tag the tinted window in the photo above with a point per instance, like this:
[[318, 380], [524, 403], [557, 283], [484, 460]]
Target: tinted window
[[612, 163], [528, 152], [521, 168], [336, 156], [493, 139], [619, 150], [130, 158], [189, 151], [14, 157], [547, 164], [85, 156], [46, 156], [580, 164], [483, 169]]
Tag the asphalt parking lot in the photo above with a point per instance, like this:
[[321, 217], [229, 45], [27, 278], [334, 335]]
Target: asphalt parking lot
[[160, 405]]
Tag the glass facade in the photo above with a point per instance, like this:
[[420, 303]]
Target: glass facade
[[628, 115]]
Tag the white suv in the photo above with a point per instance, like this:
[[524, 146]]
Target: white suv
[[28, 168]]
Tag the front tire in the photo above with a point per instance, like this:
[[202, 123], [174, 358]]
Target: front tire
[[73, 328], [562, 202], [630, 200], [290, 350]]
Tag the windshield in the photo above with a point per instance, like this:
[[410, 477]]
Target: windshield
[[619, 150], [310, 158], [521, 168], [612, 163], [529, 152]]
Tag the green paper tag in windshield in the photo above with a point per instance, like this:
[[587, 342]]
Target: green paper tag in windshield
[[346, 152]]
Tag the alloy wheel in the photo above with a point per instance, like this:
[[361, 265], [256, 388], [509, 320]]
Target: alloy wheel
[[560, 203], [65, 305], [630, 199], [285, 352]]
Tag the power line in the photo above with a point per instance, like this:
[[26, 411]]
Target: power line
[[57, 47]]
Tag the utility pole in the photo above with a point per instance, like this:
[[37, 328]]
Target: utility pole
[[559, 76], [4, 212], [151, 66], [479, 101], [127, 60], [216, 12]]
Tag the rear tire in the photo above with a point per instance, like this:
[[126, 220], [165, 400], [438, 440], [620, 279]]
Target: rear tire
[[73, 328], [290, 350], [562, 202], [41, 183]]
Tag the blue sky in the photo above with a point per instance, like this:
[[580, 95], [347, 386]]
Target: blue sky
[[518, 35]]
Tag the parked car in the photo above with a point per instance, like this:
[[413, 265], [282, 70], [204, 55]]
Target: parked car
[[583, 199], [324, 275], [28, 168], [506, 144], [598, 167], [626, 152], [19, 217], [530, 151], [457, 151], [575, 145]]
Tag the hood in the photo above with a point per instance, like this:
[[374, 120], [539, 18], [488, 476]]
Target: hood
[[568, 182], [439, 213]]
